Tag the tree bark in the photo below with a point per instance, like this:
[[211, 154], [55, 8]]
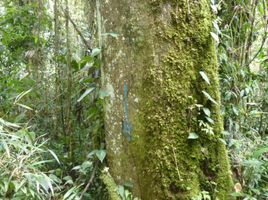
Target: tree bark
[[152, 74]]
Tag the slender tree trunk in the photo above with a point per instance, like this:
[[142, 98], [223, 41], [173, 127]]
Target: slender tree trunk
[[69, 84], [157, 96], [60, 122]]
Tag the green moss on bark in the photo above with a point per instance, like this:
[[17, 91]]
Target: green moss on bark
[[111, 186], [175, 167], [163, 49]]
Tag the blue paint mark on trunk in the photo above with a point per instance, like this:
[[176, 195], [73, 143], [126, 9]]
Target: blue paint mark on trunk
[[126, 125]]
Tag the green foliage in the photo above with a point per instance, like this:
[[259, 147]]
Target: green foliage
[[27, 94], [125, 194], [243, 71], [26, 173], [255, 173], [21, 34], [73, 187], [22, 171], [204, 195]]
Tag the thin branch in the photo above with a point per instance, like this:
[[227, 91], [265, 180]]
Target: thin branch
[[263, 39], [176, 163], [249, 38], [86, 43], [89, 181]]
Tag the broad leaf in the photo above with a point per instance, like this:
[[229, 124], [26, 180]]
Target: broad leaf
[[193, 136], [88, 91], [215, 24], [95, 52], [207, 112], [215, 37], [101, 154], [204, 76], [209, 97]]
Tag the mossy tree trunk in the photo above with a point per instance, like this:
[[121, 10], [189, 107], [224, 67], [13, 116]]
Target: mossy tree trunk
[[158, 97]]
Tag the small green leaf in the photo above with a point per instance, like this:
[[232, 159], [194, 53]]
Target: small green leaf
[[222, 141], [204, 76], [6, 148], [84, 61], [76, 167], [210, 120], [259, 151], [207, 112], [88, 91], [215, 24], [115, 35], [45, 182], [215, 37], [108, 91], [86, 164], [128, 184], [235, 111], [69, 192], [68, 180], [24, 106], [8, 124], [101, 154], [54, 155], [103, 93], [2, 48], [21, 95], [193, 136], [209, 97], [95, 52], [121, 191]]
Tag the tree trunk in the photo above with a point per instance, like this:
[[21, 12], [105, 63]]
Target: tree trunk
[[158, 97]]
